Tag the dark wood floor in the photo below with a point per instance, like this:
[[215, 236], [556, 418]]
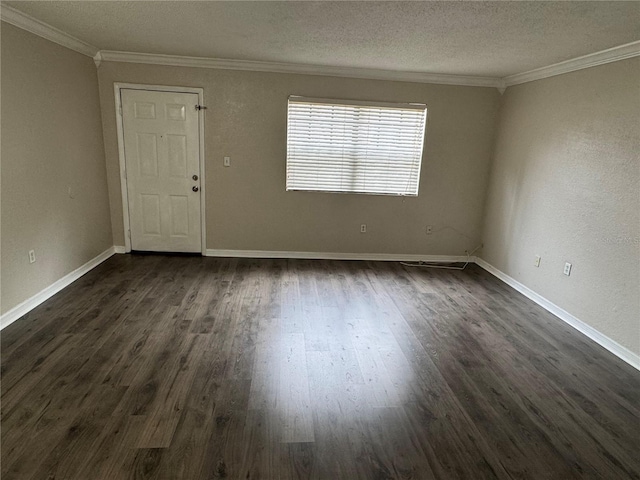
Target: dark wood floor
[[161, 367]]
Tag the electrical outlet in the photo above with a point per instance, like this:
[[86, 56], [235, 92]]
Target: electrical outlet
[[567, 269], [536, 262], [32, 256], [429, 229], [363, 228], [227, 161]]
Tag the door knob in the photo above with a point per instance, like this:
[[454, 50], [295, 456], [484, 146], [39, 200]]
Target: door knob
[[194, 188], [195, 177]]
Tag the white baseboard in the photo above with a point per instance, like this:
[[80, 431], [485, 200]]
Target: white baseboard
[[614, 347], [384, 257], [620, 351], [25, 307]]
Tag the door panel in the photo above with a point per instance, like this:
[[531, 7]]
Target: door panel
[[179, 215], [162, 155], [147, 154], [177, 146], [150, 214]]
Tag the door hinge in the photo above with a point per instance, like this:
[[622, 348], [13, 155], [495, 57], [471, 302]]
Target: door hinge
[[129, 233], [200, 107], [120, 110]]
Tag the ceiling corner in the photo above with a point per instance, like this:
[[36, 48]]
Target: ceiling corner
[[21, 20]]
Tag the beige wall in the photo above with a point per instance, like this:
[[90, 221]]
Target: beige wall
[[565, 185], [565, 179], [247, 206], [51, 140]]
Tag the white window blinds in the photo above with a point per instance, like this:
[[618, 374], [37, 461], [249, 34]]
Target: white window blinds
[[354, 147]]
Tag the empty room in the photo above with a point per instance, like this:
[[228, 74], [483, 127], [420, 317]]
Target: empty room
[[320, 240]]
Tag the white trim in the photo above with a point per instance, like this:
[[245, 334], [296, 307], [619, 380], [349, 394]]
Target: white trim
[[614, 347], [255, 66], [44, 30], [123, 169], [203, 183], [29, 304], [119, 249], [384, 257], [614, 54], [121, 155]]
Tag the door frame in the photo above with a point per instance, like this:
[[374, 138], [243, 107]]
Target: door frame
[[117, 87]]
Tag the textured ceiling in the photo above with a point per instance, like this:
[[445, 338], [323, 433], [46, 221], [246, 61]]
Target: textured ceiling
[[467, 38]]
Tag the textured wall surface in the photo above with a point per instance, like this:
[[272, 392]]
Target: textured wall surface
[[565, 184], [247, 206], [51, 140]]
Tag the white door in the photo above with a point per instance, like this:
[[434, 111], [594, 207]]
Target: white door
[[162, 159]]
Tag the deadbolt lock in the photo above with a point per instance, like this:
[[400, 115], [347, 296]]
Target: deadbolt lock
[[195, 177]]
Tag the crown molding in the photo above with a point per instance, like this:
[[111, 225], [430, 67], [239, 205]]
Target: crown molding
[[351, 72], [44, 30], [609, 55]]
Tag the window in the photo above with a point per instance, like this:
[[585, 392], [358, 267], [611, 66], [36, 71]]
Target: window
[[354, 147]]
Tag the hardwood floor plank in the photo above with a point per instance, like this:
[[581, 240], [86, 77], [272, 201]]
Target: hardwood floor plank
[[162, 367], [556, 399], [117, 439], [167, 409], [257, 443], [293, 392], [63, 460], [61, 432], [145, 387]]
